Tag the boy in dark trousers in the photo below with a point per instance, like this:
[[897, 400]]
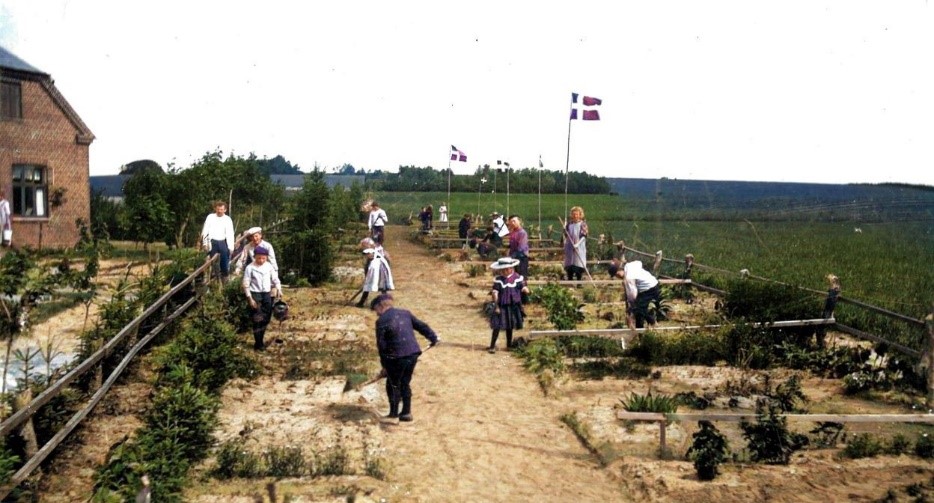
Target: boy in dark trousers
[[260, 284], [399, 351]]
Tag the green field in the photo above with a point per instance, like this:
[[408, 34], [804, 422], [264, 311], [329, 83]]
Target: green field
[[888, 264]]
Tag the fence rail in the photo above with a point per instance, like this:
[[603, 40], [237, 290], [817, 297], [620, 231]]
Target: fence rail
[[664, 419], [21, 417]]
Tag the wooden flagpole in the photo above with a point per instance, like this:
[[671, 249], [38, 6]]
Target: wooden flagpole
[[567, 161]]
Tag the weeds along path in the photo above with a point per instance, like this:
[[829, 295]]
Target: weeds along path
[[483, 429]]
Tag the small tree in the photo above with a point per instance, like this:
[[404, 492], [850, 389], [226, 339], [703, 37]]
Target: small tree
[[708, 450], [769, 439]]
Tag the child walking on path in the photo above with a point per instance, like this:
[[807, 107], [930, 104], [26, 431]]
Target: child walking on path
[[508, 290], [261, 285]]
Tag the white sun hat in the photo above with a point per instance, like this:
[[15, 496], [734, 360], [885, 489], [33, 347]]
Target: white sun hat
[[503, 263]]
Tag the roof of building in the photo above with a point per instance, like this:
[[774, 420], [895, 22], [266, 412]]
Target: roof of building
[[112, 185], [11, 61]]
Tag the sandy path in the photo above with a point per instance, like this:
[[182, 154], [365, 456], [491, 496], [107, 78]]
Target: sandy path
[[483, 429]]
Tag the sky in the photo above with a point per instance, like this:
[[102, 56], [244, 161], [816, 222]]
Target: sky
[[796, 91]]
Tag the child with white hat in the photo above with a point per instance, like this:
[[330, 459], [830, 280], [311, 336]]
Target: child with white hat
[[507, 291]]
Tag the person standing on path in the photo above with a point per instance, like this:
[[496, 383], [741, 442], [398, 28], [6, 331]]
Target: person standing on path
[[519, 244], [218, 231], [399, 352], [248, 252], [443, 211], [6, 221], [376, 222], [377, 274], [260, 284], [575, 244], [508, 288]]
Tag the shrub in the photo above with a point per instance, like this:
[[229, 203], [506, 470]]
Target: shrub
[[185, 415], [769, 439], [234, 460], [864, 445], [924, 447], [542, 355], [686, 348], [650, 403], [561, 306], [286, 461], [708, 450]]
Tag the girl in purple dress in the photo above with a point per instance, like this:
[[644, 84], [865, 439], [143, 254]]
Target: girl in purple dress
[[507, 291]]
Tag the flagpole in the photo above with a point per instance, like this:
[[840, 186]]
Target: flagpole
[[540, 166], [449, 188], [567, 162], [508, 169]]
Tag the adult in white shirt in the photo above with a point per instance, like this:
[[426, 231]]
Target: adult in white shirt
[[377, 220], [6, 221], [641, 290], [218, 231], [249, 250]]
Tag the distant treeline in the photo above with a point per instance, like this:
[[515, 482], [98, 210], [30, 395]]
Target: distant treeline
[[486, 179], [715, 200]]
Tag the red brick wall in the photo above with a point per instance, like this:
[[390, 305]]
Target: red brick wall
[[45, 136]]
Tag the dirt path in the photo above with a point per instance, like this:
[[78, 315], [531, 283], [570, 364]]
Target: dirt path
[[483, 430]]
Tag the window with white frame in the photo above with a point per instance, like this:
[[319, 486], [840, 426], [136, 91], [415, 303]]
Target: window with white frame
[[30, 190]]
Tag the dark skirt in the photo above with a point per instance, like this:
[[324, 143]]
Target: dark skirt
[[509, 318]]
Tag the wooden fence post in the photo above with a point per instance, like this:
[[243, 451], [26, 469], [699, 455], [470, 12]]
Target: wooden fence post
[[927, 357], [658, 263], [686, 293], [27, 431], [830, 303]]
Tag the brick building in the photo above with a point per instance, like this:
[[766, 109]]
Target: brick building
[[44, 164]]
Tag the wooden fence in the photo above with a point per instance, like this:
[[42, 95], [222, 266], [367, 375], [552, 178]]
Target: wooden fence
[[664, 419], [21, 420]]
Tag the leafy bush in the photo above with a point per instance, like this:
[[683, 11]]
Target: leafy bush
[[8, 463], [864, 445], [542, 355], [708, 450], [184, 415], [234, 460], [209, 348], [924, 447], [685, 348], [285, 461], [664, 404], [769, 439], [560, 304], [578, 346]]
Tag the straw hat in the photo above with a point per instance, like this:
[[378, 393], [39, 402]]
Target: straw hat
[[503, 263]]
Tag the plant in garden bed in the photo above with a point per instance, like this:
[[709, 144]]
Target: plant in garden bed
[[708, 450], [544, 359], [769, 439], [560, 304], [648, 402]]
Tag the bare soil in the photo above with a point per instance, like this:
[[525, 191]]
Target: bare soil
[[484, 428]]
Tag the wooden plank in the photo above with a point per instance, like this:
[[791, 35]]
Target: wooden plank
[[864, 335], [622, 331], [20, 416], [79, 416], [737, 417], [603, 281]]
